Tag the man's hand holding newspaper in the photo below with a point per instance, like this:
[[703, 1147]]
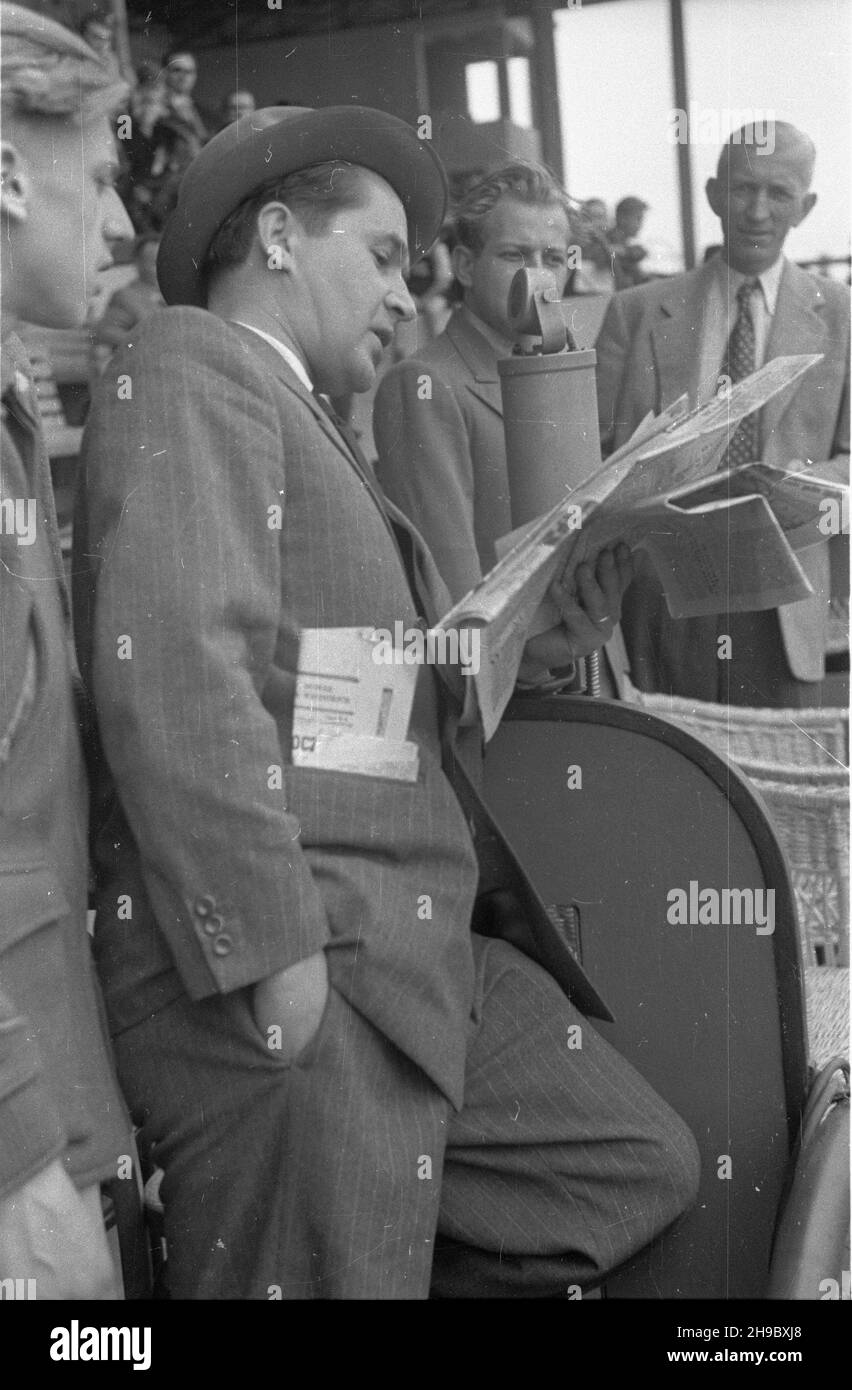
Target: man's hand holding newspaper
[[586, 602], [719, 539]]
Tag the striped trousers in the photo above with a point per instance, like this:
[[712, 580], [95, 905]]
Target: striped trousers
[[348, 1174]]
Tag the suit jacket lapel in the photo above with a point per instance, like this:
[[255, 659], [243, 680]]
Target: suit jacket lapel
[[677, 354], [798, 327], [479, 357], [419, 567]]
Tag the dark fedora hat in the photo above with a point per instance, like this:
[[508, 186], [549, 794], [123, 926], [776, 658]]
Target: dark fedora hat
[[279, 140]]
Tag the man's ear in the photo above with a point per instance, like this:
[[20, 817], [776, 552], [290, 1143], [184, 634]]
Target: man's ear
[[463, 259], [14, 185], [278, 232], [714, 197], [807, 204]]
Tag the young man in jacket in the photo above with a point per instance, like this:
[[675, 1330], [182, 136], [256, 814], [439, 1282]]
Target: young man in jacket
[[63, 1127]]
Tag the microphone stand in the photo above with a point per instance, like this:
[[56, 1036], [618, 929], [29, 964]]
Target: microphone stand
[[548, 388]]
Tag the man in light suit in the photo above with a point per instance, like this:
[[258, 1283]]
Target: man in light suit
[[673, 336], [63, 1128], [327, 1064]]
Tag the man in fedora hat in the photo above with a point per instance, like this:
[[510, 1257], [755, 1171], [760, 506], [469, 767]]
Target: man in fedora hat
[[327, 1064], [63, 1129]]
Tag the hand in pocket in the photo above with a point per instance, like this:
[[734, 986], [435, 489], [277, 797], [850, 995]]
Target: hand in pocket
[[293, 1000]]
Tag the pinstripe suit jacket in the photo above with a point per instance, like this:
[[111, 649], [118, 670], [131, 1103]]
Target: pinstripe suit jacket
[[648, 355], [211, 875]]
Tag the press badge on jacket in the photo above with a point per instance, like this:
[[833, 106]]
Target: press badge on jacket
[[351, 712]]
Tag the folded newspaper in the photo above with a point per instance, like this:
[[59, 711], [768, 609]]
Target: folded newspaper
[[721, 541]]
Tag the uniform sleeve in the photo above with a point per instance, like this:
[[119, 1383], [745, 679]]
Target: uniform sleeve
[[425, 467], [183, 628]]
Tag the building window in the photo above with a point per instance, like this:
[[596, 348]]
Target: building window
[[520, 94], [482, 86]]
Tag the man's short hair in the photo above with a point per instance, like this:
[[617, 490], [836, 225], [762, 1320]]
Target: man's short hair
[[628, 205], [773, 137], [172, 55], [525, 182], [48, 72], [314, 195]]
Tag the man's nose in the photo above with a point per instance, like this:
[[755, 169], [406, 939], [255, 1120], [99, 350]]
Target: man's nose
[[759, 205], [116, 225], [399, 301]]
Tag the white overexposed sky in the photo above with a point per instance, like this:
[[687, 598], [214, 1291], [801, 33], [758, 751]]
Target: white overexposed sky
[[783, 58]]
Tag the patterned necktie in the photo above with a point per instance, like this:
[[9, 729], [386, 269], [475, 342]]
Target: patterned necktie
[[739, 363]]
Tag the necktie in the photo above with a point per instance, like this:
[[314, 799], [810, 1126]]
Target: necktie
[[739, 363], [403, 540]]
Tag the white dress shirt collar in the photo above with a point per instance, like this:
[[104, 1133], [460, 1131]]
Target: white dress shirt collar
[[769, 281], [290, 357]]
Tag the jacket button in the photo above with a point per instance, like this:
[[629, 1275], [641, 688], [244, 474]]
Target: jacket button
[[223, 945], [212, 925], [204, 906]]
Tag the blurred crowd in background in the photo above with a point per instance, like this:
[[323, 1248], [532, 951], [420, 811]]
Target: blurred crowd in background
[[168, 127]]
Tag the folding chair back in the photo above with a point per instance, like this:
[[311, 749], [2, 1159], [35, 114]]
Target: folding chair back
[[611, 809]]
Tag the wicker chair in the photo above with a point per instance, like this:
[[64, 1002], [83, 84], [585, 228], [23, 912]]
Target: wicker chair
[[797, 760], [805, 737], [809, 808]]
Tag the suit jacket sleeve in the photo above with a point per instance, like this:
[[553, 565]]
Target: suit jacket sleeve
[[31, 1133], [425, 467], [185, 613], [837, 466], [612, 348]]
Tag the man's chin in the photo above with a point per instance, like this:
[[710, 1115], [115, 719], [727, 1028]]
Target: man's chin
[[753, 257], [364, 379]]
